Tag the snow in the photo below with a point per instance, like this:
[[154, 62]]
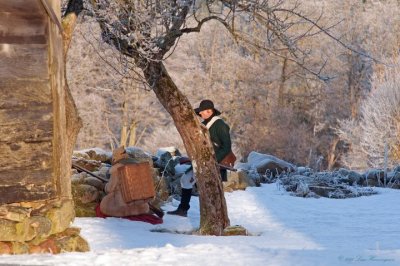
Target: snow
[[97, 150], [181, 168], [257, 160], [161, 151], [285, 230]]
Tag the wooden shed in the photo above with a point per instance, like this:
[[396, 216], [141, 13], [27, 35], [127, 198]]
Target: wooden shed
[[33, 159]]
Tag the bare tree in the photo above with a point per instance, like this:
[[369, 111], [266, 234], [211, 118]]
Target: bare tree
[[73, 121], [114, 106], [146, 32]]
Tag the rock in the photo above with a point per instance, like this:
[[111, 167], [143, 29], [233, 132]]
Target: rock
[[96, 154], [49, 246], [85, 193], [303, 170], [133, 155], [47, 219], [5, 248], [324, 184], [228, 189], [14, 213], [166, 164], [90, 165], [171, 150], [268, 164], [26, 230], [78, 178], [73, 244], [104, 171], [71, 231], [42, 226], [343, 171], [302, 189], [80, 154], [35, 249], [323, 191], [19, 248], [342, 178], [85, 210], [238, 180], [61, 216], [255, 177], [236, 230], [66, 241], [94, 182], [139, 155], [350, 177], [243, 166], [294, 179], [16, 231]]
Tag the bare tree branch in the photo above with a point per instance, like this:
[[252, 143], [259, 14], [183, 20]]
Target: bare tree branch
[[326, 31]]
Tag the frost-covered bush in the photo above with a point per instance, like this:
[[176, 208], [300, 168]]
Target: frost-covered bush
[[378, 126]]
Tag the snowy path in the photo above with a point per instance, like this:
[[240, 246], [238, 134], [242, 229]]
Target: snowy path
[[287, 231]]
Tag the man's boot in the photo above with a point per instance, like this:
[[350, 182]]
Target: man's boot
[[184, 205]]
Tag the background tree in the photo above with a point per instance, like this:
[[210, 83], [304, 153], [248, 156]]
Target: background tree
[[379, 125]]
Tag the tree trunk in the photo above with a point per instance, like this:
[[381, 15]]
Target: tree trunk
[[124, 129], [132, 134], [281, 96], [332, 153], [214, 216], [73, 121]]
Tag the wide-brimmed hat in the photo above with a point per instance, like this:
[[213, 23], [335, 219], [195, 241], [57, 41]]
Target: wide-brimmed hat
[[205, 105]]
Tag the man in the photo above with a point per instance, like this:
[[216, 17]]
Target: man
[[221, 140]]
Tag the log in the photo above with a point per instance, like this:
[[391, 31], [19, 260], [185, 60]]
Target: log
[[21, 6], [24, 61]]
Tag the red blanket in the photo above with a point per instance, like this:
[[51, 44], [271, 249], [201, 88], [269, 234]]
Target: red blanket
[[147, 218]]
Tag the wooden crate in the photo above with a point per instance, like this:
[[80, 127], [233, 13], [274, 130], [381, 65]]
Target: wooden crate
[[136, 182]]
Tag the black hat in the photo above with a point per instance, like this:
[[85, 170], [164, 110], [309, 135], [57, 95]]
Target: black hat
[[205, 105]]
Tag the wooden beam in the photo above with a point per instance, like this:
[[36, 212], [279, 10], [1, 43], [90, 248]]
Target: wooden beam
[[50, 12], [26, 92], [25, 157], [21, 28], [24, 61], [10, 193], [21, 6]]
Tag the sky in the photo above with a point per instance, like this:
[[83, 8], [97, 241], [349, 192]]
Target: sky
[[285, 230]]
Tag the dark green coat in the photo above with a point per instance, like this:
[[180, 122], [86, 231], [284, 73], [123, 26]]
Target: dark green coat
[[221, 139]]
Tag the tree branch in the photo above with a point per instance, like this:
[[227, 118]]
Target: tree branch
[[325, 31]]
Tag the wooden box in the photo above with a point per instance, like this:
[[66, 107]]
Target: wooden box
[[136, 182]]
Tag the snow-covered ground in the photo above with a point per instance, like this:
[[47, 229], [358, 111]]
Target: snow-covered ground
[[286, 230]]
